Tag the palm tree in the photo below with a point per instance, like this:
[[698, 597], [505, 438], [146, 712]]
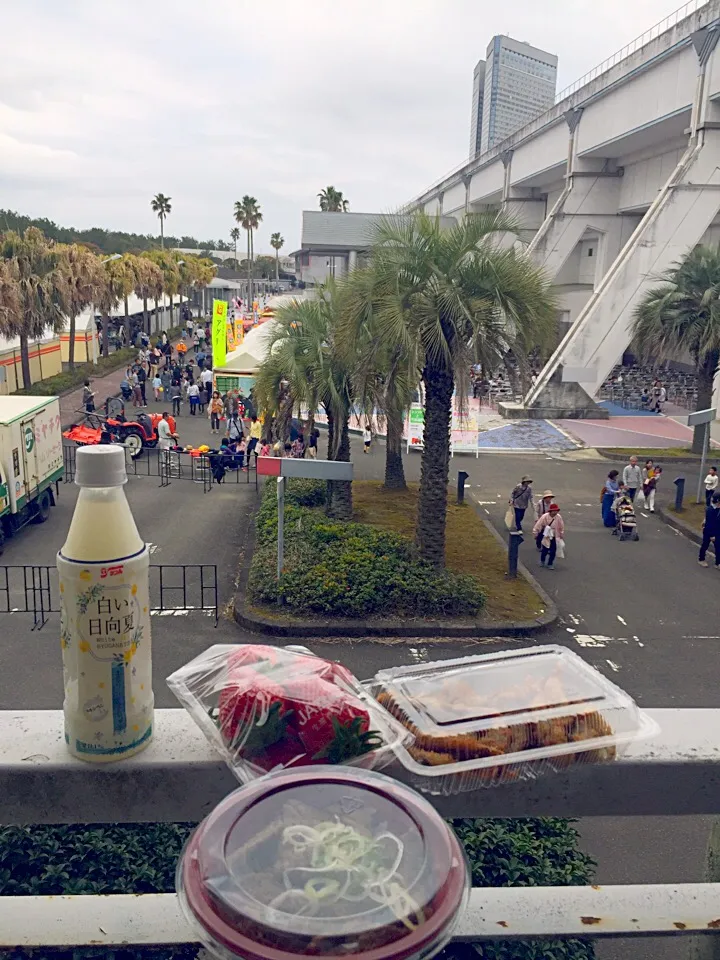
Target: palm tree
[[36, 291], [235, 236], [85, 279], [332, 201], [456, 296], [682, 316], [112, 292], [386, 373], [276, 242], [148, 283], [304, 367], [161, 206], [248, 215]]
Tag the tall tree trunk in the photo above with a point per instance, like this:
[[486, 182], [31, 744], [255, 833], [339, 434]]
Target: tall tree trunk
[[331, 435], [105, 334], [25, 361], [71, 344], [277, 266], [146, 317], [162, 233], [158, 324], [394, 470], [127, 321], [339, 499], [252, 269], [171, 310], [705, 380], [249, 269], [432, 503]]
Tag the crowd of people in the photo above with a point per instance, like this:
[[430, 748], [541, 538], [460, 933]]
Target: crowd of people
[[618, 495]]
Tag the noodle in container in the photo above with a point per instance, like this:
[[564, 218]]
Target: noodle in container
[[324, 862]]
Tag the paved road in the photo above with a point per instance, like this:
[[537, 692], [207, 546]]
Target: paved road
[[643, 613]]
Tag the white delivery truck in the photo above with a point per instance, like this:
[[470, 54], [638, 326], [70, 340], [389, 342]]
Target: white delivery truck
[[31, 460]]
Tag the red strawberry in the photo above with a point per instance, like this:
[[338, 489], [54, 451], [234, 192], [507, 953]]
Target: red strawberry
[[286, 752], [267, 659], [251, 714], [317, 705]]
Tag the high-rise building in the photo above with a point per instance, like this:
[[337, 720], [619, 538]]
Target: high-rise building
[[478, 98], [519, 84]]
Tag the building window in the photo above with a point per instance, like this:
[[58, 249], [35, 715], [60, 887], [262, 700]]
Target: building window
[[590, 251]]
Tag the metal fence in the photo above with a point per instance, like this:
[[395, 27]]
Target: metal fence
[[180, 778], [169, 465], [174, 588]]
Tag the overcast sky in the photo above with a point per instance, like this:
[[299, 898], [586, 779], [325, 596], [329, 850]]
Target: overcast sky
[[103, 104]]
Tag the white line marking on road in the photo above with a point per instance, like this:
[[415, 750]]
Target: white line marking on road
[[623, 622], [646, 515], [586, 640], [637, 641], [486, 503], [613, 666], [571, 629], [700, 637], [487, 511], [574, 619]]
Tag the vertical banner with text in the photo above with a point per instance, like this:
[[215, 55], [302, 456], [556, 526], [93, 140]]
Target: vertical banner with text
[[219, 332]]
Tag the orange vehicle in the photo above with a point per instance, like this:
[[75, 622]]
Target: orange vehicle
[[135, 435]]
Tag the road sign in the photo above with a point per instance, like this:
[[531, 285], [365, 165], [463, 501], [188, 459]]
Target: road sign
[[284, 467], [702, 416], [307, 469]]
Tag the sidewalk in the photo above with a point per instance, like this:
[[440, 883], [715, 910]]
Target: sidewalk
[[107, 386]]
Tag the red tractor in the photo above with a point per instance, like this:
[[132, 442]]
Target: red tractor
[[135, 435]]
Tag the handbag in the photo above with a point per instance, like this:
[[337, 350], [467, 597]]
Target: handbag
[[560, 548], [510, 518]]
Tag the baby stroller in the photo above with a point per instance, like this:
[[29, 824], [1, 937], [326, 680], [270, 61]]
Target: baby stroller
[[625, 520]]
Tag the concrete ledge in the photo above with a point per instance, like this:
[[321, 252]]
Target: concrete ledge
[[180, 777], [371, 629], [516, 411]]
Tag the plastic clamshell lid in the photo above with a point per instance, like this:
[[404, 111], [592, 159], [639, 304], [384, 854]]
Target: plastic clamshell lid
[[323, 861], [489, 691]]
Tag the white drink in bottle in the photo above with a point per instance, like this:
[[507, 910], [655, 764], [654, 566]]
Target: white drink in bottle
[[105, 616]]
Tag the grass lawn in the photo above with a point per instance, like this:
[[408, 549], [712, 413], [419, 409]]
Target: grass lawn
[[470, 547], [693, 514]]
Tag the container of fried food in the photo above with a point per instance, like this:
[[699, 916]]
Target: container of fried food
[[496, 718]]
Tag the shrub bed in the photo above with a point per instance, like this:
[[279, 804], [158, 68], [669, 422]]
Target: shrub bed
[[141, 858], [342, 569]]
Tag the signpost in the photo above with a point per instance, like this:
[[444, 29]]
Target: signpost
[[694, 420], [283, 467]]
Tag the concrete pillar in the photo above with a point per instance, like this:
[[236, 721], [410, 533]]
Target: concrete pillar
[[675, 223], [352, 260]]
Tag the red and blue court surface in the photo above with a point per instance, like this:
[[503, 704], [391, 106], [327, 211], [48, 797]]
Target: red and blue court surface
[[640, 431]]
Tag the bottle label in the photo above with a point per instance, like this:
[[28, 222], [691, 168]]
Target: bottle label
[[105, 639]]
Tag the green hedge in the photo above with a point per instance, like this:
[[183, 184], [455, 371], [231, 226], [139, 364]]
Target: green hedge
[[336, 568], [141, 858]]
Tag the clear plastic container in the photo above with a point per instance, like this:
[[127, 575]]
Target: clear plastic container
[[496, 718], [323, 862], [266, 708]]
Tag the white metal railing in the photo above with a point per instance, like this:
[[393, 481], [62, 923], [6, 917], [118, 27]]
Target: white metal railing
[[180, 778], [667, 23]]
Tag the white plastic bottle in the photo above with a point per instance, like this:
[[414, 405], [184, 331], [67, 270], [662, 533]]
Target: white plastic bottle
[[105, 616]]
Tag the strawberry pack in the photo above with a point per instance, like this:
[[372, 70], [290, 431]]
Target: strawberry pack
[[269, 708]]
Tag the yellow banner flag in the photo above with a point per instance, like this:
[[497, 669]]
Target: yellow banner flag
[[219, 336], [239, 333]]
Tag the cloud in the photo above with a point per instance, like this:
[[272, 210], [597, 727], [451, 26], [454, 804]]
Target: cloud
[[103, 105]]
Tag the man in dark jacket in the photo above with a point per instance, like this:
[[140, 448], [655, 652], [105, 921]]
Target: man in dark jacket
[[142, 378], [711, 528]]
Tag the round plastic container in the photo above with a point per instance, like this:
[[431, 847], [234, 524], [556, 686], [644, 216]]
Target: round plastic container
[[323, 862]]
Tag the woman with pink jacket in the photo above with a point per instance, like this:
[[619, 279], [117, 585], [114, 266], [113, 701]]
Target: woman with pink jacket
[[552, 527]]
